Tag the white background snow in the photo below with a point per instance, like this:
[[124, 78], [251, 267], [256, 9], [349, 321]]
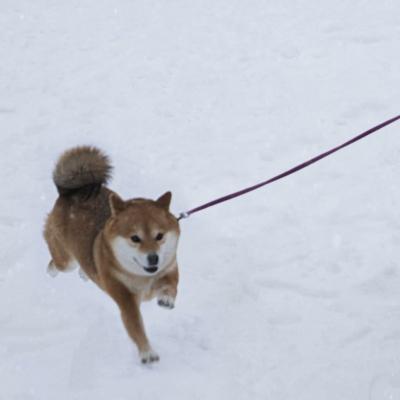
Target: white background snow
[[291, 292]]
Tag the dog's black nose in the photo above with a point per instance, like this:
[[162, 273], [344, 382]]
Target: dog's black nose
[[152, 259]]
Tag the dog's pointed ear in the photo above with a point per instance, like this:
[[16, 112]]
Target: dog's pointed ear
[[116, 204], [165, 200]]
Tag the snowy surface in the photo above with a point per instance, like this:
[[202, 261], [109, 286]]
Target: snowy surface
[[292, 292]]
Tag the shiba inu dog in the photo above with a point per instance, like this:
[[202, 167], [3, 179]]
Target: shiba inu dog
[[128, 248]]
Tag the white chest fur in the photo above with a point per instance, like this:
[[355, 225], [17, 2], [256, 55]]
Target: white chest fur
[[135, 284]]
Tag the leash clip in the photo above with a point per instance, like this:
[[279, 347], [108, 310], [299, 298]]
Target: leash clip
[[183, 215]]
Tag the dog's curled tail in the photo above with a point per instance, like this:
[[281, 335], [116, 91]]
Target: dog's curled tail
[[81, 171]]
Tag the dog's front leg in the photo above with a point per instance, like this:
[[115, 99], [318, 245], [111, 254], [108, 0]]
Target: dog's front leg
[[166, 289], [129, 306], [133, 321]]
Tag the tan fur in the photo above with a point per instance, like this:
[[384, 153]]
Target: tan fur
[[84, 228]]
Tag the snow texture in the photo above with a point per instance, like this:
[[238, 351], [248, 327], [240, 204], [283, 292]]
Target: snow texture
[[290, 292]]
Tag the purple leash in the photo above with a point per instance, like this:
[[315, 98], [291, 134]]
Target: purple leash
[[291, 171]]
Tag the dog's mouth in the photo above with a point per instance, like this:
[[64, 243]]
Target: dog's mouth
[[151, 269]]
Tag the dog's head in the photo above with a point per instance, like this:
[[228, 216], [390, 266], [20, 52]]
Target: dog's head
[[143, 234]]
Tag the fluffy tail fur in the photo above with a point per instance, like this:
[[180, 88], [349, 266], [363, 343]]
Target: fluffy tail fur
[[81, 171]]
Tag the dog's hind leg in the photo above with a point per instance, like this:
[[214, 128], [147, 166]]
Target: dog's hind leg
[[61, 260], [83, 275], [52, 270]]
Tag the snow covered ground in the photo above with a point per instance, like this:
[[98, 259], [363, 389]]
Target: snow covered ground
[[292, 292]]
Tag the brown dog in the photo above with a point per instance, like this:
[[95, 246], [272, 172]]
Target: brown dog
[[128, 248]]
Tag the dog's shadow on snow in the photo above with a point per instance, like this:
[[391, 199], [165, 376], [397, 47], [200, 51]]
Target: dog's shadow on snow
[[101, 354], [105, 353]]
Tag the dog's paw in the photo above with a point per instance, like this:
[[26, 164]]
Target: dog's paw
[[52, 269], [166, 301], [149, 356], [83, 275]]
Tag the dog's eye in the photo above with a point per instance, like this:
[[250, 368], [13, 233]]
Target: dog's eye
[[159, 236], [135, 239]]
